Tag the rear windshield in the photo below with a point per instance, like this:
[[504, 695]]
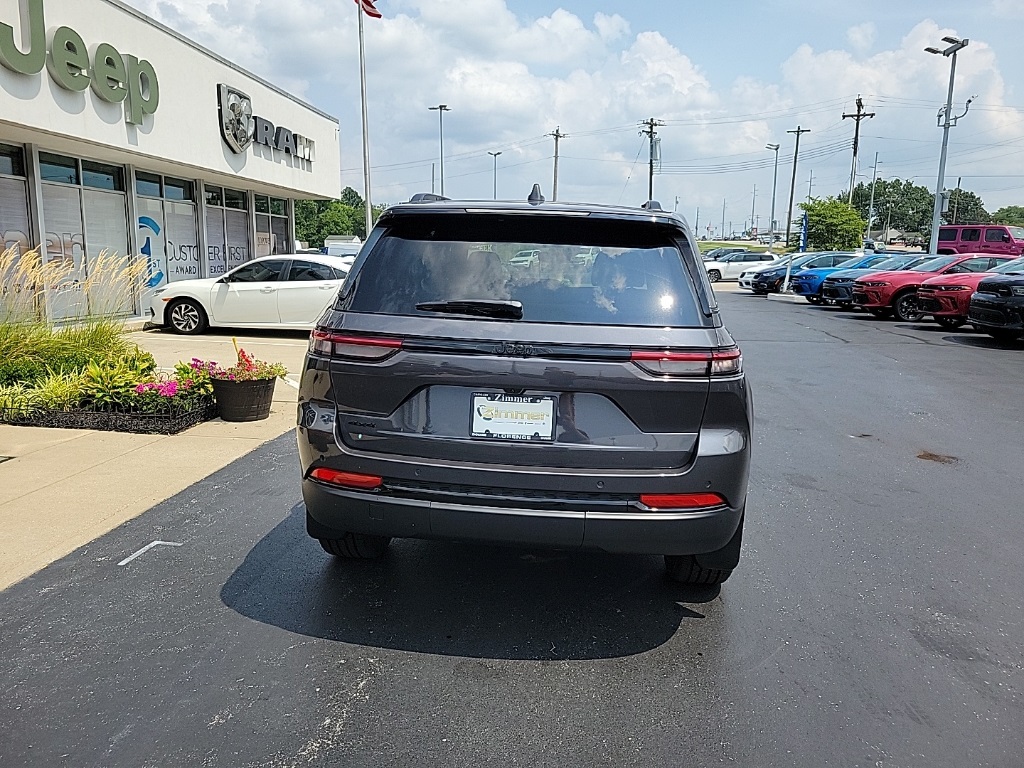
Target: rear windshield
[[562, 270]]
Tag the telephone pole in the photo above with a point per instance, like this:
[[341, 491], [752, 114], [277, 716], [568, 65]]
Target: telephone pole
[[557, 135], [651, 134], [753, 202], [792, 183], [810, 185], [860, 115], [723, 219]]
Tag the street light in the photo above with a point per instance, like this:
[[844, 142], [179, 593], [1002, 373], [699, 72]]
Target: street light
[[495, 156], [775, 183], [946, 121], [441, 109]]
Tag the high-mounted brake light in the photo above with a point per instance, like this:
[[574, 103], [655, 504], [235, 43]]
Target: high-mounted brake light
[[368, 348], [347, 479], [722, 362], [681, 501]]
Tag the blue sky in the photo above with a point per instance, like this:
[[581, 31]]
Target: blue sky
[[725, 77]]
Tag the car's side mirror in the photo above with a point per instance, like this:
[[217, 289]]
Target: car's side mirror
[[225, 279], [1007, 238]]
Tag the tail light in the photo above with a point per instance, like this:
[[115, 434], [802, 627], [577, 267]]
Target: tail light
[[681, 501], [368, 348], [347, 479], [722, 362]]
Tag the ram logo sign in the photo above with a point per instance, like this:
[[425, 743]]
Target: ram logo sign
[[240, 128]]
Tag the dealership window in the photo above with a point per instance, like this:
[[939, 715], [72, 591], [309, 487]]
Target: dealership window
[[85, 215], [227, 229], [272, 230], [168, 231], [14, 220]]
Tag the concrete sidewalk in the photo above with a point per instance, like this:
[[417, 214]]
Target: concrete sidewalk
[[62, 488]]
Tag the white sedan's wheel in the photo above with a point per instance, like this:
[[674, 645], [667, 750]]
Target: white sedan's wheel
[[186, 316]]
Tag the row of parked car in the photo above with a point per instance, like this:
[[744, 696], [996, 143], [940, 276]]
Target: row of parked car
[[983, 289]]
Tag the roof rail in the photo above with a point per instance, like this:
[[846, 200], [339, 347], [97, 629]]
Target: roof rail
[[427, 197], [652, 205]]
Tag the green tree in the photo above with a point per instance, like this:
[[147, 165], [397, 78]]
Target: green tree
[[1010, 214], [965, 207], [832, 225], [899, 204]]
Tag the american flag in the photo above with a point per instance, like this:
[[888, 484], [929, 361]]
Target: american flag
[[368, 8]]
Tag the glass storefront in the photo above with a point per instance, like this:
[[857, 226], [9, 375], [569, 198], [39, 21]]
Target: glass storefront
[[227, 229], [84, 209], [272, 230], [14, 222]]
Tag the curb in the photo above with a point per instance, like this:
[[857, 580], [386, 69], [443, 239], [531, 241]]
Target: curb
[[787, 298]]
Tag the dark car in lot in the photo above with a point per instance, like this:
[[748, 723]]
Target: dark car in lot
[[596, 406], [997, 308], [838, 287], [771, 280], [947, 298]]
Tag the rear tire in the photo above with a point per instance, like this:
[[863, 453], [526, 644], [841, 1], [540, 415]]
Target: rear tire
[[950, 323], [714, 275], [707, 569], [1003, 334], [356, 546]]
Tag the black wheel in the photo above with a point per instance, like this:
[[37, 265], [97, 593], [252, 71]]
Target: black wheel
[[879, 312], [356, 546], [186, 316], [950, 323], [906, 309], [714, 275], [813, 299], [707, 569], [1003, 334]]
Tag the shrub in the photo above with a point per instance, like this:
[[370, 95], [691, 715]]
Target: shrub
[[59, 391]]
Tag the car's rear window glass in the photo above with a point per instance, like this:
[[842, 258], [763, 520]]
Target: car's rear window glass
[[562, 269]]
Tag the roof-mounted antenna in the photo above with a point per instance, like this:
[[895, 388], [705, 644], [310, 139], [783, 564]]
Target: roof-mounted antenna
[[535, 198]]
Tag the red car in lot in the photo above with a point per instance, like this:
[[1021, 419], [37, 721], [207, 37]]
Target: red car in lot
[[895, 293], [947, 298]]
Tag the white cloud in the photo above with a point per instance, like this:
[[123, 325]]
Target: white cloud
[[862, 36], [510, 80]]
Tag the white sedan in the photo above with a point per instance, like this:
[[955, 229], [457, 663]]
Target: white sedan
[[288, 291], [730, 267]]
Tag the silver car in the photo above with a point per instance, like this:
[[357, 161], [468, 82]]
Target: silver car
[[448, 394]]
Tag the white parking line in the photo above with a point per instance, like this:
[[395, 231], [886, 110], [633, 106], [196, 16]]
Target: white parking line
[[147, 548]]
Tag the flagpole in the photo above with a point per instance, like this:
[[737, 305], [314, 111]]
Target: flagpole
[[366, 130]]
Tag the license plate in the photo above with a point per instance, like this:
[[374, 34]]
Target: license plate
[[513, 417]]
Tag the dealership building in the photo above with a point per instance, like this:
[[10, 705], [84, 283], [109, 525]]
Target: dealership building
[[117, 134]]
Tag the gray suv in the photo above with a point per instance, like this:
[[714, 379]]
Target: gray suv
[[457, 391]]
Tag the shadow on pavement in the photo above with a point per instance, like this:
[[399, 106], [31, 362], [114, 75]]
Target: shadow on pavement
[[984, 341], [463, 599]]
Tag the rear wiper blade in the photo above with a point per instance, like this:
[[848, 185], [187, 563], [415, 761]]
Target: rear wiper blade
[[476, 307]]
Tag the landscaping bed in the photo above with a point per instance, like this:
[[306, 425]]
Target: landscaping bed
[[111, 421]]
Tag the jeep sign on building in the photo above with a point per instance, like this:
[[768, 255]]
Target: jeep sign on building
[[118, 134]]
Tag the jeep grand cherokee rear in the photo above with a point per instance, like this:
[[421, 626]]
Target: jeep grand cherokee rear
[[454, 391]]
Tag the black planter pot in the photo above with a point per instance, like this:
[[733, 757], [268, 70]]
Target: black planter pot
[[243, 400]]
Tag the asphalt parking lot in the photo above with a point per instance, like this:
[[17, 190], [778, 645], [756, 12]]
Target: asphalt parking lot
[[875, 620]]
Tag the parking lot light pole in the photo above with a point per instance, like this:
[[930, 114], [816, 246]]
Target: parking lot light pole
[[441, 109], [495, 156], [775, 186], [946, 121]]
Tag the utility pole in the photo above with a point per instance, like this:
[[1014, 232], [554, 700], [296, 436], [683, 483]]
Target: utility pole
[[495, 156], [871, 205], [433, 168], [651, 134], [946, 121], [956, 200], [860, 115], [723, 219], [753, 202], [696, 223], [557, 135], [810, 185], [775, 184], [792, 185], [441, 109]]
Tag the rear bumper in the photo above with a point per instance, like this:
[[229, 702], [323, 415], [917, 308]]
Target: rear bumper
[[330, 510]]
